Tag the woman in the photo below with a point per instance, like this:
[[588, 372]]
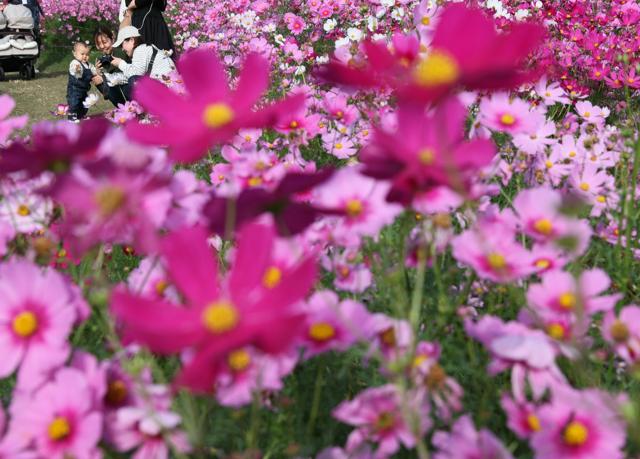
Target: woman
[[146, 16], [145, 59], [110, 80]]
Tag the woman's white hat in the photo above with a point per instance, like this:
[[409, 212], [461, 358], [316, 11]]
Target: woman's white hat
[[125, 33]]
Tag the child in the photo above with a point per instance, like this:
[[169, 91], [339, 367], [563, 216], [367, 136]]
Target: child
[[80, 75]]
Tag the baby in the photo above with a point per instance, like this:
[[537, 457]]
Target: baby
[[80, 75]]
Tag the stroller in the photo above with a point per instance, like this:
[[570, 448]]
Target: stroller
[[19, 39]]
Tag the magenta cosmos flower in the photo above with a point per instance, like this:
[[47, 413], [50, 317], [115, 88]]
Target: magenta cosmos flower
[[220, 316], [54, 146], [579, 425], [210, 113], [37, 311], [426, 151], [61, 419], [489, 61]]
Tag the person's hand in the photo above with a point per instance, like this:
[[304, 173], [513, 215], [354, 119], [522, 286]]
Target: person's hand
[[99, 66], [132, 5], [116, 62], [97, 80]]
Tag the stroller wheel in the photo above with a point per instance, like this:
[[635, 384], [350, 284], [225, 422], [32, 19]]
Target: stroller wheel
[[27, 71], [1, 74]]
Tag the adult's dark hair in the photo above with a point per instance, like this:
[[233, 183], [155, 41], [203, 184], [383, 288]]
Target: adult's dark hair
[[103, 30], [137, 41]]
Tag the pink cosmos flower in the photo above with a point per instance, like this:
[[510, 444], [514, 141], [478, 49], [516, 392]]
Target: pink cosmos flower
[[361, 198], [464, 441], [443, 391], [60, 418], [580, 424], [11, 445], [540, 217], [148, 425], [623, 332], [551, 92], [219, 317], [592, 113], [332, 324], [377, 414], [502, 113], [426, 151], [104, 202], [37, 312], [521, 417], [210, 113], [247, 371], [529, 354], [8, 125], [561, 293], [492, 251], [351, 274]]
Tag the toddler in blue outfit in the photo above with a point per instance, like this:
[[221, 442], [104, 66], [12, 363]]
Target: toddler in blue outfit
[[80, 75]]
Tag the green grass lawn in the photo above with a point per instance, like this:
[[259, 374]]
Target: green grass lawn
[[39, 97]]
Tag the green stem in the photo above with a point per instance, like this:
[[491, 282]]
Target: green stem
[[315, 404]]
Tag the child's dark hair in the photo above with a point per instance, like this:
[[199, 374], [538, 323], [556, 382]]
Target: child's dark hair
[[103, 30]]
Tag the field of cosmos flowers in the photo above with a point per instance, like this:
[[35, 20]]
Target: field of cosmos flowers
[[343, 229]]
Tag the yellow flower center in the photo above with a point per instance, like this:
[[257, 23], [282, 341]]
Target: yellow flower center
[[426, 20], [584, 186], [116, 392], [388, 337], [272, 277], [587, 114], [59, 429], [385, 421], [572, 154], [338, 146], [533, 422], [556, 331], [239, 360], [23, 210], [353, 207], [575, 434], [438, 68], [25, 324], [548, 164], [293, 124], [619, 331], [339, 114], [220, 317], [322, 331], [543, 226], [161, 286], [601, 199], [567, 300], [508, 119], [543, 263], [496, 261], [255, 181], [109, 199], [426, 156], [419, 360], [217, 115]]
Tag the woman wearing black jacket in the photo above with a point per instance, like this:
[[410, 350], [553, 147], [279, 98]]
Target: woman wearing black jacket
[[147, 18]]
